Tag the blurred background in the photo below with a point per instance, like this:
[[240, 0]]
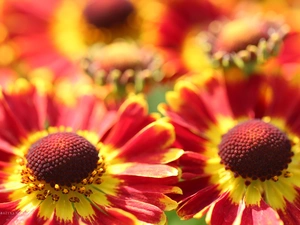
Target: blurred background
[[132, 46]]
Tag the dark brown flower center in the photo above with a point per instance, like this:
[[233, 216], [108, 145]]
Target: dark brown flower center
[[255, 149], [62, 158], [106, 13]]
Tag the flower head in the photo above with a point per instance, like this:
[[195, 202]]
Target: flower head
[[244, 41], [67, 28], [83, 163], [126, 67], [241, 142], [174, 30]]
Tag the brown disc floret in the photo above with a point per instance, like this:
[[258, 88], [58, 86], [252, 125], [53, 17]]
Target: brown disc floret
[[255, 149], [62, 158]]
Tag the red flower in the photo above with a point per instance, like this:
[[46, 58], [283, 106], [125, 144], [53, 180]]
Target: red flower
[[57, 33], [83, 163], [241, 142], [174, 30]]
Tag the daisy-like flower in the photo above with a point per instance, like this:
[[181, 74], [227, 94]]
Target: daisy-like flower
[[244, 41], [175, 27], [242, 152], [255, 36], [127, 67], [56, 32], [123, 62], [83, 164]]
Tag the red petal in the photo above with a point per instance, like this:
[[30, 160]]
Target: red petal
[[281, 94], [36, 11], [197, 202], [148, 170], [263, 214], [11, 130], [109, 216], [191, 187], [4, 194], [132, 118], [182, 16], [78, 116], [224, 211], [5, 165], [192, 165], [281, 105], [9, 211], [154, 139], [29, 107], [97, 117], [192, 113], [152, 188], [143, 211], [243, 94], [101, 120], [215, 97], [290, 52], [89, 113], [34, 218], [291, 214], [3, 175], [136, 180], [120, 216], [6, 151], [151, 197], [187, 140]]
